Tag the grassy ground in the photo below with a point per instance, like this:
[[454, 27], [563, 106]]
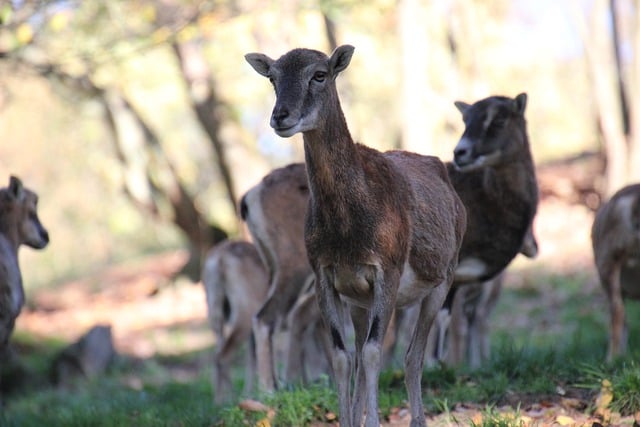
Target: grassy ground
[[538, 372], [549, 339]]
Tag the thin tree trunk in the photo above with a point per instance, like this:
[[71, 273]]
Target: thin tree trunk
[[199, 80], [600, 63]]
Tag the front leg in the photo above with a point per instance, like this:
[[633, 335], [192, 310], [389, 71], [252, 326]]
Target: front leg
[[331, 310], [414, 359], [360, 319], [385, 288], [613, 287]]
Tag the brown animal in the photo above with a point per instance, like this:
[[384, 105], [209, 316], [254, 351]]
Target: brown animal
[[615, 237], [383, 230], [494, 175], [235, 283], [274, 213], [283, 194], [19, 224]]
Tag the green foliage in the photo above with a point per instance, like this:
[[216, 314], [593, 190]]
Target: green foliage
[[493, 418], [624, 376], [302, 405]]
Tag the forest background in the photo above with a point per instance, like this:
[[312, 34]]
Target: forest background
[[140, 125]]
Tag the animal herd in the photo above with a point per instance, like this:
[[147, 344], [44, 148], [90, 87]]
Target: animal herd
[[356, 248]]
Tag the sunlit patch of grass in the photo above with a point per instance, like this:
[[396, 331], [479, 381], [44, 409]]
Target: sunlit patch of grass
[[624, 377], [491, 417], [302, 405]]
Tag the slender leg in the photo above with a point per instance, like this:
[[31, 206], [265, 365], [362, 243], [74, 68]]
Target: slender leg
[[262, 333], [302, 315], [414, 358], [331, 310], [251, 367], [384, 295], [360, 319], [616, 306]]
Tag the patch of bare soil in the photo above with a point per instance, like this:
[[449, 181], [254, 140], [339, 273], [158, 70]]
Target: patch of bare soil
[[148, 312]]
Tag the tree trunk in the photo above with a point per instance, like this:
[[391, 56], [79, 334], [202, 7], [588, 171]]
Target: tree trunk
[[145, 161], [604, 74], [199, 80]]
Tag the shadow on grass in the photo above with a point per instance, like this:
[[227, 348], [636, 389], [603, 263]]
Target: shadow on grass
[[548, 343]]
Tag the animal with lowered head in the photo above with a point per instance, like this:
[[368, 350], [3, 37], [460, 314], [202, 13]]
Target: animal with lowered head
[[235, 283], [494, 175], [615, 237], [382, 230], [274, 213]]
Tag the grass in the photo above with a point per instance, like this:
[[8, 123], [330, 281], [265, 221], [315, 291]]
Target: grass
[[533, 362]]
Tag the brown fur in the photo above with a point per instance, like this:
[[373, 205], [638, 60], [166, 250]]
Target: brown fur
[[615, 237], [382, 229], [274, 213], [235, 283], [19, 224]]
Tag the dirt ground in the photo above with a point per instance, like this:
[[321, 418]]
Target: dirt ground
[[151, 314]]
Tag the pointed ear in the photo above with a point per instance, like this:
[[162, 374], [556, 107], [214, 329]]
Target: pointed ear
[[340, 59], [15, 187], [461, 106], [521, 103], [260, 62]]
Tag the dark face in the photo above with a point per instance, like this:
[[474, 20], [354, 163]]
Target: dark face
[[303, 80], [19, 214], [32, 232], [494, 129]]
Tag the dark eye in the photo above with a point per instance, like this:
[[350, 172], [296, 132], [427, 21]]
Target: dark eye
[[319, 76]]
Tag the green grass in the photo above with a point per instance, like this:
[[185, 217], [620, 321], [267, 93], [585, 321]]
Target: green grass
[[531, 362]]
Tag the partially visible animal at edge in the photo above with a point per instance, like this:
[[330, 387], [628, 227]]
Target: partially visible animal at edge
[[615, 237], [19, 225], [235, 283], [383, 230]]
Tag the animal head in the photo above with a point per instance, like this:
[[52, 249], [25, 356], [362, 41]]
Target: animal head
[[304, 82], [494, 132], [19, 215]]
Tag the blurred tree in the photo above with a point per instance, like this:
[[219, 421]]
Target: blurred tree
[[611, 37], [81, 59]]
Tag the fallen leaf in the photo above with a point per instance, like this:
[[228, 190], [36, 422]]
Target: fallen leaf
[[606, 395], [572, 403], [263, 423], [564, 420]]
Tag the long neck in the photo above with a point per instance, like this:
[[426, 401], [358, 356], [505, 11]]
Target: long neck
[[333, 167], [9, 233]]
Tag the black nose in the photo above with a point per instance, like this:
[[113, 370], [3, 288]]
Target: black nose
[[460, 152], [279, 114], [45, 235]]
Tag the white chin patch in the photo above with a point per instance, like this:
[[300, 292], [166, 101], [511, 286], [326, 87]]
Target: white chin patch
[[481, 162], [286, 133], [469, 270]]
